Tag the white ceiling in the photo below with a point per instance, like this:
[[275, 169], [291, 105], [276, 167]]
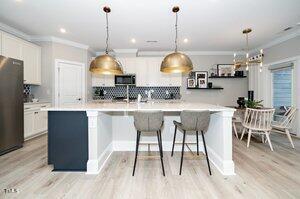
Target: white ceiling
[[210, 25]]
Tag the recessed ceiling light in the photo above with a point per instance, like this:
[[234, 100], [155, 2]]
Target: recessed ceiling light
[[18, 0], [133, 40], [185, 40], [62, 30]]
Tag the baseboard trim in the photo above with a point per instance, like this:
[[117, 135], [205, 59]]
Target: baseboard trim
[[226, 167], [95, 166], [35, 135]]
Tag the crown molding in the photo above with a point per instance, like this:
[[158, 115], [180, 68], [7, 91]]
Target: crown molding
[[191, 53], [35, 38], [277, 41], [58, 40], [135, 52], [14, 31]]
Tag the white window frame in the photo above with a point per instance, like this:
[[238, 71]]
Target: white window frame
[[293, 81]]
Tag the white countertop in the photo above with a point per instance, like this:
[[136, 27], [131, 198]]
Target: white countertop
[[35, 104], [122, 106]]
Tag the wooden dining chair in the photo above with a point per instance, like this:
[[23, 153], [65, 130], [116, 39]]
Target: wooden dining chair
[[284, 124], [258, 121], [237, 119]]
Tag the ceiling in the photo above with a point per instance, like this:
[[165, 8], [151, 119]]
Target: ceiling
[[209, 25]]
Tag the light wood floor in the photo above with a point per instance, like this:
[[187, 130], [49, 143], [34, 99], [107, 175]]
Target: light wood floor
[[260, 174]]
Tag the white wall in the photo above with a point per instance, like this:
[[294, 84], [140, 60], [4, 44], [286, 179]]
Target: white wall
[[233, 88], [52, 51]]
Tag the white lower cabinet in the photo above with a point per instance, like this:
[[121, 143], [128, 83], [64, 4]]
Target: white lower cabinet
[[35, 120], [28, 124]]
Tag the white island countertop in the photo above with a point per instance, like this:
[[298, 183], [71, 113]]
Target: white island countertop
[[166, 106], [108, 132]]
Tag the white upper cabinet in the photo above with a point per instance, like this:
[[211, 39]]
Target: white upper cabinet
[[98, 80], [29, 53], [128, 65], [32, 63], [141, 71], [11, 46], [103, 80], [147, 71], [175, 79]]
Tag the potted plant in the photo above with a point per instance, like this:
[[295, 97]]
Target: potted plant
[[254, 104]]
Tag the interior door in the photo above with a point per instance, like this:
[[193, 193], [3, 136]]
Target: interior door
[[70, 83]]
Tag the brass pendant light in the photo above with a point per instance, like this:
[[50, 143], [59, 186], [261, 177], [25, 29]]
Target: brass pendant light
[[106, 64], [176, 62]]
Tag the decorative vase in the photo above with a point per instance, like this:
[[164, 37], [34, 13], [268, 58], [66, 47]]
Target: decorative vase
[[241, 102]]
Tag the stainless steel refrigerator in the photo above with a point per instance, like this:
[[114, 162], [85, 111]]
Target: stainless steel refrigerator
[[11, 104]]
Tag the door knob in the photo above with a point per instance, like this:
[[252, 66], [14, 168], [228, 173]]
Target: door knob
[[79, 99]]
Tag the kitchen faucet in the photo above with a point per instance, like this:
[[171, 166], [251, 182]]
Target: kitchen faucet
[[149, 93]]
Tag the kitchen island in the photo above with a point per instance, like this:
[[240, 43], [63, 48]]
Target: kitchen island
[[82, 137]]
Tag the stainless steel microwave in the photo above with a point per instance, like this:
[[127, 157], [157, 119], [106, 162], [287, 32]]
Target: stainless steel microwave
[[127, 79]]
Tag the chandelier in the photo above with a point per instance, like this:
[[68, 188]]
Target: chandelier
[[248, 61]]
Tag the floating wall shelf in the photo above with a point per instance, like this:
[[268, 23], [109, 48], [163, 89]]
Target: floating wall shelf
[[227, 77], [213, 88]]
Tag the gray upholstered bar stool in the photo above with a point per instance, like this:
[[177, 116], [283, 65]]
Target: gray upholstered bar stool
[[148, 121], [192, 121]]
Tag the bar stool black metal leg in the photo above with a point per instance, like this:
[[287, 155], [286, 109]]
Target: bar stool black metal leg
[[182, 152], [174, 140], [160, 151], [203, 139], [136, 150], [197, 142], [161, 146]]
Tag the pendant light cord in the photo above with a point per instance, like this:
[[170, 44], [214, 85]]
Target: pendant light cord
[[247, 40], [176, 32], [107, 33]]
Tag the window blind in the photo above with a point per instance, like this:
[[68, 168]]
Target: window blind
[[281, 66]]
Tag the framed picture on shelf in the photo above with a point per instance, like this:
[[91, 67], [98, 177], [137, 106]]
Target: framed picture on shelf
[[191, 83], [225, 70], [201, 78]]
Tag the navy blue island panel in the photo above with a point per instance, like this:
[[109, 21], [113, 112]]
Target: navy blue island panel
[[68, 140]]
